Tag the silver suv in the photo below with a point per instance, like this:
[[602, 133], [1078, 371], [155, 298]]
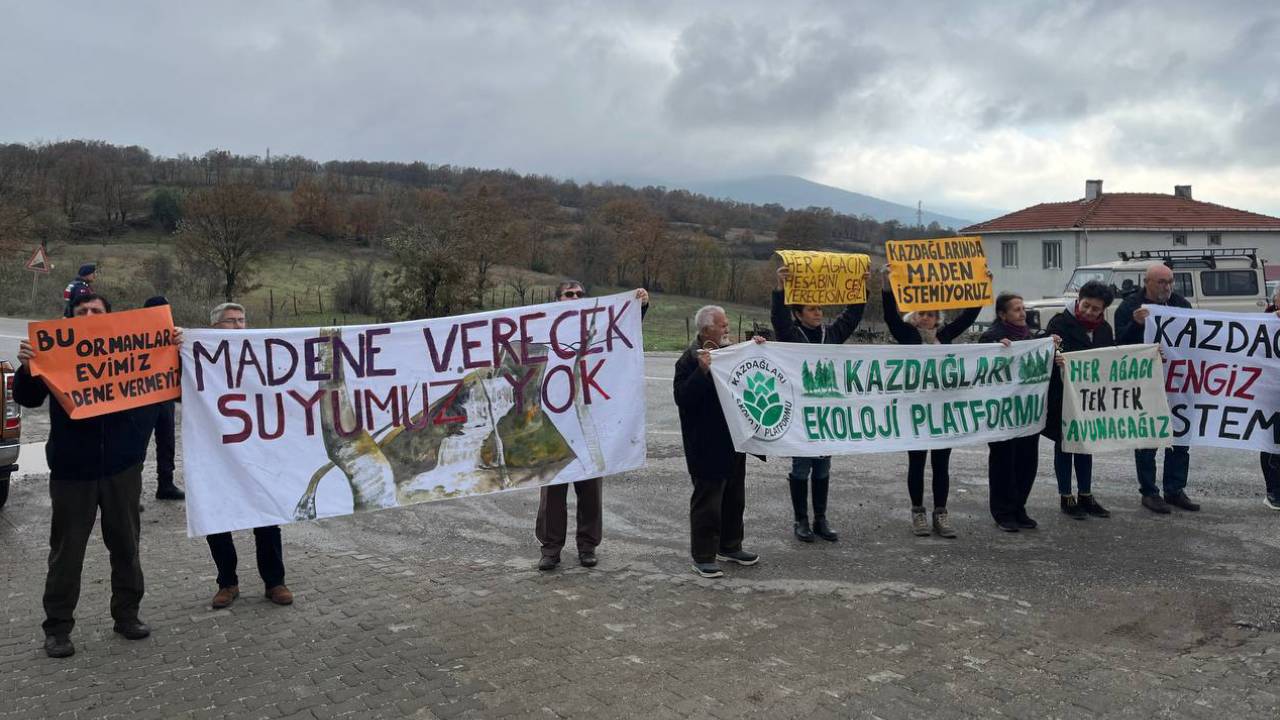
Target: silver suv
[[1224, 279]]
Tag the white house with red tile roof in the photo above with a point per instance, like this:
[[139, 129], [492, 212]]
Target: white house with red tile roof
[[1033, 251]]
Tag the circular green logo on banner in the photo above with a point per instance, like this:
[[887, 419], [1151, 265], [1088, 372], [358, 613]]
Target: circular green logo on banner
[[764, 397]]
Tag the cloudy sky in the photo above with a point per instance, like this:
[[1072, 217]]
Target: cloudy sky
[[958, 104]]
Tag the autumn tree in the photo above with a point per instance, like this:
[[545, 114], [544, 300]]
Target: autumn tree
[[591, 252], [483, 226], [643, 242], [804, 230], [230, 228], [700, 267], [430, 279], [317, 208]]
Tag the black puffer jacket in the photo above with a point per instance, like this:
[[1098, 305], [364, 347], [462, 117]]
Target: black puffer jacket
[[1074, 338], [708, 447], [786, 329], [88, 449]]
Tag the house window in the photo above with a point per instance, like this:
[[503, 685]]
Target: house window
[[1180, 239], [1052, 251], [1215, 238], [1009, 254]]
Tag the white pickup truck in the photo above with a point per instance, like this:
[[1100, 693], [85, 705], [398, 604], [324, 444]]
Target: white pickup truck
[[1226, 279]]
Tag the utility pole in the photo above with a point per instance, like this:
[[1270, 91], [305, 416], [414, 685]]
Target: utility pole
[[920, 213]]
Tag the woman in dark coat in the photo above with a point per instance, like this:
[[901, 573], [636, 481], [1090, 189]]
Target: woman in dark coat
[[1011, 464], [803, 324], [1083, 326], [922, 328]]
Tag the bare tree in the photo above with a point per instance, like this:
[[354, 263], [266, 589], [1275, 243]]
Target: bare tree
[[230, 227]]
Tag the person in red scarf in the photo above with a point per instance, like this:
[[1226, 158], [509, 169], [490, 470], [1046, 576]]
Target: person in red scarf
[[1082, 327]]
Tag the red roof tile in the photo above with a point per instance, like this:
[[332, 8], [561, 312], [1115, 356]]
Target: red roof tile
[[1127, 211]]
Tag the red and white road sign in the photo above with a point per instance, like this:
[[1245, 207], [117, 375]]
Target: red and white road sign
[[39, 261]]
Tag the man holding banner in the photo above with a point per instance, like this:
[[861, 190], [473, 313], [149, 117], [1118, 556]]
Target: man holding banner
[[1131, 317], [800, 323], [718, 471], [552, 525], [266, 539], [95, 464]]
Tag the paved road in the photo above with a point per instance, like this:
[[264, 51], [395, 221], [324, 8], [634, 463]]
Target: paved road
[[438, 611]]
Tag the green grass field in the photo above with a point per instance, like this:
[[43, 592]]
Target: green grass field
[[298, 277]]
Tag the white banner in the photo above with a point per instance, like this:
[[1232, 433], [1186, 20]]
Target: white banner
[[293, 424], [1113, 399], [797, 400], [1222, 376]]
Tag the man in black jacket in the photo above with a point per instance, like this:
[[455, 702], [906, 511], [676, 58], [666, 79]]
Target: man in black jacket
[[95, 463], [718, 471], [1131, 317]]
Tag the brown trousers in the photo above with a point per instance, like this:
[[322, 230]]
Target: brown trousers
[[75, 508], [553, 516]]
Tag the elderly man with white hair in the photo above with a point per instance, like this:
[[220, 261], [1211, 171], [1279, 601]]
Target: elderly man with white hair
[[718, 471], [1157, 289]]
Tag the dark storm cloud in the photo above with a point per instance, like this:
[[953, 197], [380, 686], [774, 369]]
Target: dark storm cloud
[[735, 73], [658, 89]]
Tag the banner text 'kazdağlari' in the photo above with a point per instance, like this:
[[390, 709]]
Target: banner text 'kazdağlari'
[[799, 400]]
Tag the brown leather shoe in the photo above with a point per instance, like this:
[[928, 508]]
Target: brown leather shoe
[[225, 596], [280, 595]]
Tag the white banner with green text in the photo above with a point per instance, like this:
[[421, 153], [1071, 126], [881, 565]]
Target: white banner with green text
[[796, 400], [1113, 399]]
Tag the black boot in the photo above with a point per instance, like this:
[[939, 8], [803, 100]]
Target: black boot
[[1072, 508], [823, 530], [803, 533]]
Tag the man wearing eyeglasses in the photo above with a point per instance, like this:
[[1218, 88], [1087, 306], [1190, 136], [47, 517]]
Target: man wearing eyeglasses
[[1157, 289], [230, 316], [552, 526], [95, 470]]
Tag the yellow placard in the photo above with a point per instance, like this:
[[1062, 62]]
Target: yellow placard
[[825, 278], [939, 273]]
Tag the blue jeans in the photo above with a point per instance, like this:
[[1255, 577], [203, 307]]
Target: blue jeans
[[801, 470], [1062, 464], [1177, 461]]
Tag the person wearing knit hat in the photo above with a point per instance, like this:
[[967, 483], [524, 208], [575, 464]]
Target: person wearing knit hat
[[82, 285]]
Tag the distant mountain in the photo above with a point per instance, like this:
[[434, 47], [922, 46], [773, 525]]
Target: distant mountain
[[797, 193]]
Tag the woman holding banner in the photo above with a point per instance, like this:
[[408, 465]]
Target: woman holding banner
[[1011, 464], [922, 328], [803, 324], [1083, 326]]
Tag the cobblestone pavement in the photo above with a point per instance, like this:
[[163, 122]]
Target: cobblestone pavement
[[438, 611]]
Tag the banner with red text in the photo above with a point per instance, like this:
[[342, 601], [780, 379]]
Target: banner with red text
[[1221, 374], [300, 423]]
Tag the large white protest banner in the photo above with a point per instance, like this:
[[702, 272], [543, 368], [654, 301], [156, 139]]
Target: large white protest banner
[[800, 400], [1222, 376], [291, 424], [1113, 399]]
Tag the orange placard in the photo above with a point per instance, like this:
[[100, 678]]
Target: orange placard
[[99, 364]]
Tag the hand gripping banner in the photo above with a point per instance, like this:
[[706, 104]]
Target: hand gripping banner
[[294, 424]]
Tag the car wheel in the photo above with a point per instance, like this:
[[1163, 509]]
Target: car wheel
[[4, 488]]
